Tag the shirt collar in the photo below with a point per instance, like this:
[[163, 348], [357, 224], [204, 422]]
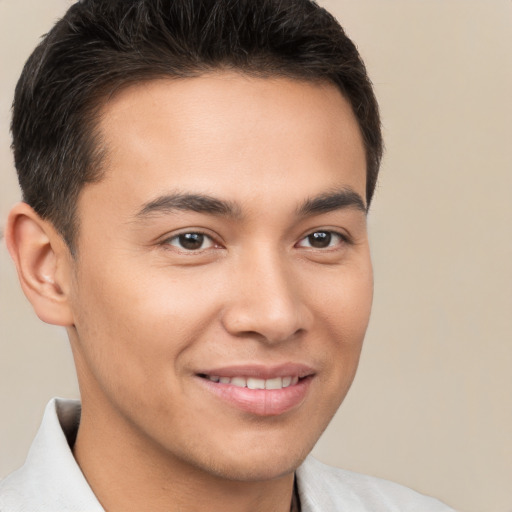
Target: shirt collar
[[51, 479]]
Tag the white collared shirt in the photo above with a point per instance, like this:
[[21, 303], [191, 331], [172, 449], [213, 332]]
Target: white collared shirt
[[51, 480]]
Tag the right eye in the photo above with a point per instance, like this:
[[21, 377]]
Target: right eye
[[191, 241]]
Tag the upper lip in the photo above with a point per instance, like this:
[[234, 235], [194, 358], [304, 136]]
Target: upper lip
[[260, 371]]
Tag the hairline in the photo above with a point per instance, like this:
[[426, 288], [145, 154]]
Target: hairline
[[97, 107]]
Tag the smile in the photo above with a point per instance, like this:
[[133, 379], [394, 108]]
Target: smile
[[255, 383], [259, 390]]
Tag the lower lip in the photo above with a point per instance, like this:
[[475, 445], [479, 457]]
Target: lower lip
[[261, 402]]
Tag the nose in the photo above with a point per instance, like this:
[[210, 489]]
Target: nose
[[265, 300]]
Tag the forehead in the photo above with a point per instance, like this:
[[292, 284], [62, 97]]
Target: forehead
[[229, 134]]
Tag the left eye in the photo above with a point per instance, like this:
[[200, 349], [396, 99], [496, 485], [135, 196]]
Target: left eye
[[191, 241], [321, 240]]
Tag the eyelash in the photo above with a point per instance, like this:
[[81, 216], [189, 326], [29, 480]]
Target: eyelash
[[343, 239], [204, 237]]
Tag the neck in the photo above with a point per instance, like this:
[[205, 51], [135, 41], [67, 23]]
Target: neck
[[129, 473]]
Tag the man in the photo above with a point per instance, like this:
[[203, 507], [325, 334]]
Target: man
[[196, 177]]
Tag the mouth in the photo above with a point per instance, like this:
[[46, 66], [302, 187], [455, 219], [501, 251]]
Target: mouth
[[259, 391], [253, 382]]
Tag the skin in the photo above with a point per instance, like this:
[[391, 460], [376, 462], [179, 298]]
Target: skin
[[144, 315]]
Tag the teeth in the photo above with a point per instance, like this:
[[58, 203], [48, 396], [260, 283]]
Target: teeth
[[276, 383], [239, 382], [253, 383]]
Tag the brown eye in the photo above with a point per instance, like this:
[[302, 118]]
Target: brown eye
[[321, 240], [191, 241]]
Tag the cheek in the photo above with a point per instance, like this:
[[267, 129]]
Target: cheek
[[344, 311], [343, 300], [133, 330]]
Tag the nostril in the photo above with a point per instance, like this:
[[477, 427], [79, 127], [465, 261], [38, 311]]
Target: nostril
[[270, 312]]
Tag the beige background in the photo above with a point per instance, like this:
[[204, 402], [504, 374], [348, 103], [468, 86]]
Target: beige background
[[431, 406]]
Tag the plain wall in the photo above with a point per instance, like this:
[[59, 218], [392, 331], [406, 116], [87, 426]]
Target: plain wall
[[431, 405]]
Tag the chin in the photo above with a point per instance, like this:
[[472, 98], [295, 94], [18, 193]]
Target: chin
[[262, 450], [263, 462], [271, 467]]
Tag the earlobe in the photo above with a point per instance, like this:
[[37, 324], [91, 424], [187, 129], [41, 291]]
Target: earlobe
[[43, 264]]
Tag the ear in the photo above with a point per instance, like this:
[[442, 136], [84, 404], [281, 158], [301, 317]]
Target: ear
[[43, 262]]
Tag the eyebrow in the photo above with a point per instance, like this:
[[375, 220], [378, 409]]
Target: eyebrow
[[339, 199], [200, 203]]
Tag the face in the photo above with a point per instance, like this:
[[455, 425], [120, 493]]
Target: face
[[223, 282]]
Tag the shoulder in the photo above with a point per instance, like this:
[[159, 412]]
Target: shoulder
[[14, 493], [324, 488], [50, 479]]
